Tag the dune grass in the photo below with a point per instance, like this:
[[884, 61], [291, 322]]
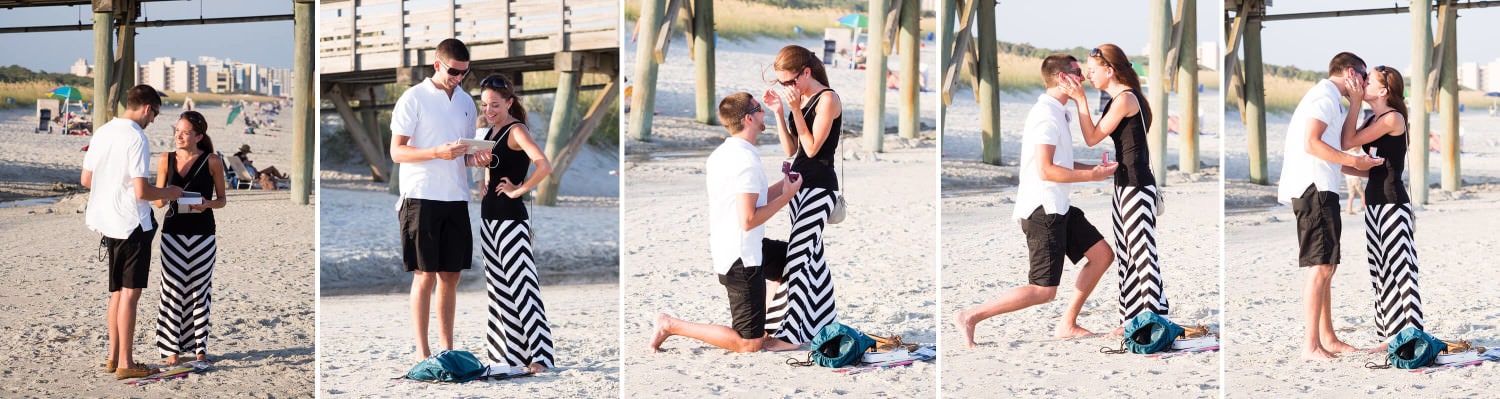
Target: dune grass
[[1282, 95], [741, 19], [25, 94], [1020, 73]]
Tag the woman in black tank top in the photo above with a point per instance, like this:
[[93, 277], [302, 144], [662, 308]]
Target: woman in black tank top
[[810, 135], [189, 245], [517, 332], [1391, 246], [1125, 118]]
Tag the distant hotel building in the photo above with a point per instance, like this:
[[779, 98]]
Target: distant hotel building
[[208, 75]]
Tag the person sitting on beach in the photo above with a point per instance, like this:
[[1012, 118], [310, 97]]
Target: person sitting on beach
[[427, 126], [244, 155], [740, 203], [115, 170], [1054, 229], [1310, 177]]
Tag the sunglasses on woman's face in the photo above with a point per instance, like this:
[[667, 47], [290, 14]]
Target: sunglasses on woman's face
[[453, 71], [792, 82]]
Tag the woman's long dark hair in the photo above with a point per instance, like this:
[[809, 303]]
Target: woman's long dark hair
[[1394, 85], [501, 85], [1111, 56], [793, 58], [200, 126]]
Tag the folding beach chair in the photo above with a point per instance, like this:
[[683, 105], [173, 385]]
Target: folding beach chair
[[232, 174]]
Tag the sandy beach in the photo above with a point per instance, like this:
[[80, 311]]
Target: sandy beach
[[263, 314], [882, 267], [984, 255], [1264, 305]]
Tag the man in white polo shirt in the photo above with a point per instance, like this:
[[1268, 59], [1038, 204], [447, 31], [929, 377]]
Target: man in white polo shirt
[[739, 204], [115, 170], [436, 243], [1054, 229], [1310, 178]]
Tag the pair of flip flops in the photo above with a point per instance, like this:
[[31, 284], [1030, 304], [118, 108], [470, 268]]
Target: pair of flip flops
[[887, 344], [1197, 331]]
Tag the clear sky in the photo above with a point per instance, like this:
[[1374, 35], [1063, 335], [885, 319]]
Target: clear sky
[[264, 43], [1379, 39], [1077, 23]]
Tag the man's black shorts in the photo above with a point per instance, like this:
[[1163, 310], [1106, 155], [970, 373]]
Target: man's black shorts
[[1050, 237], [1318, 227], [435, 235], [746, 287], [130, 259]]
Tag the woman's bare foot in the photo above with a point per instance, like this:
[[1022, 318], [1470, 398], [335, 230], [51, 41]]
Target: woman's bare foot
[[1384, 346], [203, 357], [1337, 346], [1118, 332], [1317, 354], [965, 324], [537, 368], [663, 322], [1071, 331], [777, 345], [172, 360]]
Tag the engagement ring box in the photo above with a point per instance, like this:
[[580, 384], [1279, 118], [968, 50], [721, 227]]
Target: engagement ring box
[[189, 198], [477, 145]]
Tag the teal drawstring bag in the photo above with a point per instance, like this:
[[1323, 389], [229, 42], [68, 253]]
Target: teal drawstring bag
[[1412, 348], [836, 345], [1147, 333], [448, 366]]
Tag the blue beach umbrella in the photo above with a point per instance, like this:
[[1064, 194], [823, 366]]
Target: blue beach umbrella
[[854, 21], [66, 93]]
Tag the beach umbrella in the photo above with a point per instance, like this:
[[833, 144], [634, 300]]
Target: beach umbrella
[[66, 93], [1492, 94], [854, 21], [233, 112]]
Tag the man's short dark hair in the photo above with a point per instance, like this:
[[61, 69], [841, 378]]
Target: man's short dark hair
[[732, 111], [453, 50], [1055, 64], [1345, 60], [142, 95]]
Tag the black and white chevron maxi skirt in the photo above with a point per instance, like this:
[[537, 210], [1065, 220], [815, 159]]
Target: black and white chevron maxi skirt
[[1392, 254], [803, 302], [186, 283], [1141, 288], [518, 333]]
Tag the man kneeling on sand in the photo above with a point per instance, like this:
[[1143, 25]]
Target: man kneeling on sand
[[1053, 228], [740, 203]]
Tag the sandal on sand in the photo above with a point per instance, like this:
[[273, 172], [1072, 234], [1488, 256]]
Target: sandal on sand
[[1460, 346], [887, 344], [135, 371], [1195, 332]]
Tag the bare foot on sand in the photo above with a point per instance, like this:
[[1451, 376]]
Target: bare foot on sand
[[1071, 331], [172, 360], [1118, 332], [661, 334], [1337, 346], [966, 326], [537, 368], [1317, 354], [1384, 346], [777, 345]]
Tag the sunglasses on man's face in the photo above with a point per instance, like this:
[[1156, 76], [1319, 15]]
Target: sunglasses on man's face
[[453, 71], [754, 107]]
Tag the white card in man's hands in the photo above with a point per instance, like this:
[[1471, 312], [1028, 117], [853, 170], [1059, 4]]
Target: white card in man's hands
[[477, 145]]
